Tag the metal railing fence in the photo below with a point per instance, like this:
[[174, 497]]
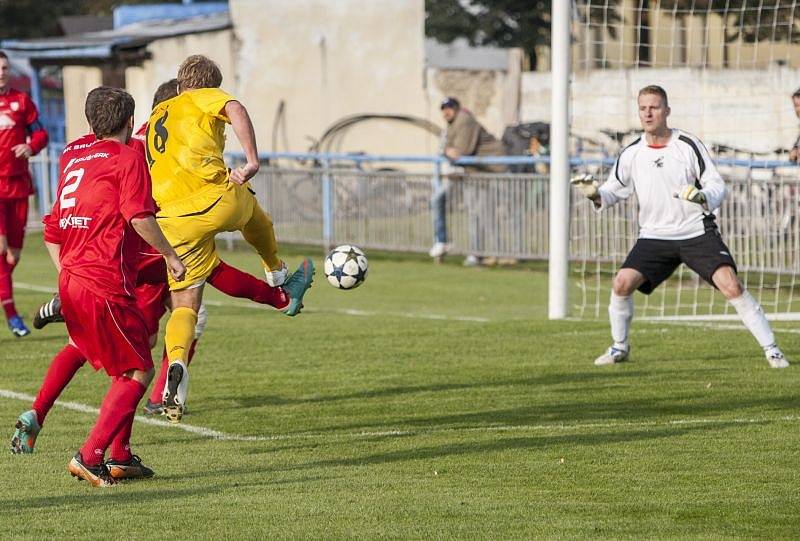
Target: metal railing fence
[[327, 199]]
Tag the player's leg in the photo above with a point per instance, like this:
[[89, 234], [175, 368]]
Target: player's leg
[[711, 259], [751, 314], [114, 336], [122, 463], [192, 236], [259, 233], [13, 218], [649, 263], [620, 315], [155, 405], [239, 284], [61, 371], [178, 338], [116, 416]]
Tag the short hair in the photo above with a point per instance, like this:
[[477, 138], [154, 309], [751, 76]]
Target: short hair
[[3, 55], [199, 71], [796, 93], [450, 103], [656, 90], [108, 109], [165, 91]]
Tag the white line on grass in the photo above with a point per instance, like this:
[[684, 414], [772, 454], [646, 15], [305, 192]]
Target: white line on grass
[[225, 436], [345, 311], [712, 325]]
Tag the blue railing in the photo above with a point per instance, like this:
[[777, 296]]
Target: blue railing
[[483, 160]]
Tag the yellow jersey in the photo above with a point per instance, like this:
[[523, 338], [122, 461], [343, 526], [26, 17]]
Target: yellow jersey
[[184, 142]]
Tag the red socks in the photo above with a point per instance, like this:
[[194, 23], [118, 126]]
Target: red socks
[[115, 420], [236, 283], [157, 394], [61, 371], [6, 288]]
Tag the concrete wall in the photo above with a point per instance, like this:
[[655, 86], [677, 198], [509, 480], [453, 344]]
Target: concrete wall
[[78, 81], [746, 109], [165, 57], [326, 60]]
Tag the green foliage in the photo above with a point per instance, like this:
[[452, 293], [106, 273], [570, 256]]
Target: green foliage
[[502, 23], [39, 18]]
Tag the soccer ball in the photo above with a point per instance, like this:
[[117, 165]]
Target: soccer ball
[[346, 267]]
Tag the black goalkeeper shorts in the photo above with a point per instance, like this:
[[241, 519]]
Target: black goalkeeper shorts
[[658, 259]]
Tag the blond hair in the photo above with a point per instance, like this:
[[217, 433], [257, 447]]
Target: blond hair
[[199, 71], [657, 91]]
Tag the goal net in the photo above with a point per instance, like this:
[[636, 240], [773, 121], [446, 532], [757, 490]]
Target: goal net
[[730, 68]]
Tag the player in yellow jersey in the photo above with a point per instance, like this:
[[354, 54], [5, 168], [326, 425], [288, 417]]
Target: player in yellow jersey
[[198, 197]]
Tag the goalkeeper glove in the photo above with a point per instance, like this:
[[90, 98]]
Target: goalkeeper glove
[[587, 184], [692, 194]]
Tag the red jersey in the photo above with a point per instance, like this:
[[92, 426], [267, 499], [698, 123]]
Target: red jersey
[[19, 124], [103, 186]]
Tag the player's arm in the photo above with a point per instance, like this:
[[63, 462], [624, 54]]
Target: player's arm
[[147, 228], [243, 128], [54, 251], [712, 190], [617, 187], [37, 135]]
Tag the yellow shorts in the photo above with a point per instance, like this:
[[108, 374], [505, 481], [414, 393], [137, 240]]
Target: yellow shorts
[[191, 225]]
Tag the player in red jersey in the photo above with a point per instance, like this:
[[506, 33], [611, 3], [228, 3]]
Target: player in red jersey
[[104, 201], [21, 136]]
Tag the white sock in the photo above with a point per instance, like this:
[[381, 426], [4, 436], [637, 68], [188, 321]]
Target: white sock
[[620, 314], [754, 319]]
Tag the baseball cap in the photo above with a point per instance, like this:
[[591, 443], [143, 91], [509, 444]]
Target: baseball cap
[[450, 102]]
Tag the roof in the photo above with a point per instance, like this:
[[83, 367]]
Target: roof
[[460, 55], [78, 24], [106, 43]]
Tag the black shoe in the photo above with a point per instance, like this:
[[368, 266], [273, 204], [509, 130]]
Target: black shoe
[[153, 408], [130, 469], [98, 476], [49, 312], [175, 391]]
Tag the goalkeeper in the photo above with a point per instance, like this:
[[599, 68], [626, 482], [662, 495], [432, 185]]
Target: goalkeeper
[[678, 189]]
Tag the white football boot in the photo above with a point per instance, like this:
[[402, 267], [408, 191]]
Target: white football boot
[[612, 355], [775, 357], [277, 277]]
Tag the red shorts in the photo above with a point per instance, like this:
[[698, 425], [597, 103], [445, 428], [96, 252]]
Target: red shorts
[[152, 289], [13, 220], [111, 335]]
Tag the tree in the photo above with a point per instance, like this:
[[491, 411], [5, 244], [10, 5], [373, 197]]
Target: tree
[[23, 18], [502, 23]]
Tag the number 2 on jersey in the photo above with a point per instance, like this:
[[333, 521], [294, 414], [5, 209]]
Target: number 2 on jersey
[[71, 183]]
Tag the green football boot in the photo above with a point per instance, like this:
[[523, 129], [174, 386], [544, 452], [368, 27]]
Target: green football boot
[[297, 285], [27, 428]]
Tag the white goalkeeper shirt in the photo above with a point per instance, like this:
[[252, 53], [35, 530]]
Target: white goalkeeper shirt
[[656, 174]]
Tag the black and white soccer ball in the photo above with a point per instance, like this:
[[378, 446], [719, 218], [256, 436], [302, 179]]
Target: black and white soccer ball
[[346, 267]]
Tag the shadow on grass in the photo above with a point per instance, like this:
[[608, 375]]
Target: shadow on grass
[[583, 412], [125, 495], [531, 443], [255, 401]]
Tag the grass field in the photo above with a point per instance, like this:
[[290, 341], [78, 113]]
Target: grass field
[[434, 402]]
